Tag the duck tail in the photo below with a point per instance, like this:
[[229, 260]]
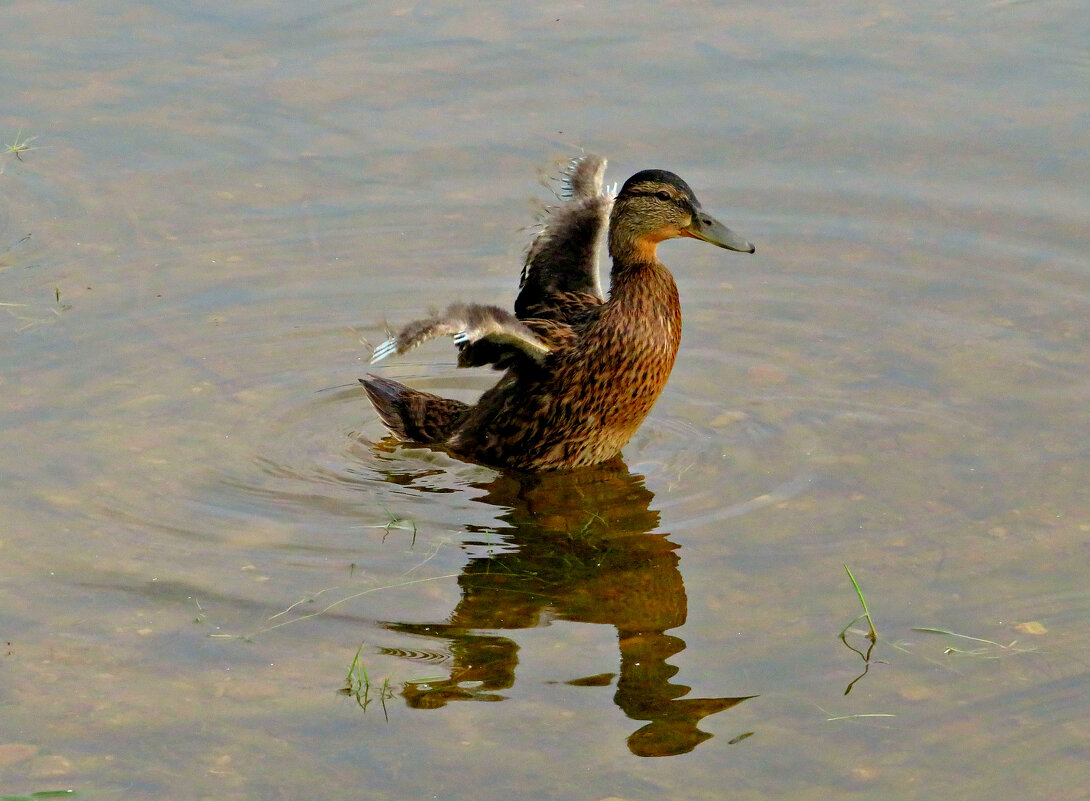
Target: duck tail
[[410, 414]]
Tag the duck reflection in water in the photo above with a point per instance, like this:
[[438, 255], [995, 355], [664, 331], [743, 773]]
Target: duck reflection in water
[[583, 548]]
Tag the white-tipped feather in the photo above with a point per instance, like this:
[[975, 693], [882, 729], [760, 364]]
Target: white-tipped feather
[[384, 349], [508, 332], [466, 324]]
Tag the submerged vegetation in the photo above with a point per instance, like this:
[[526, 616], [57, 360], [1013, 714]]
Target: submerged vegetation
[[16, 148], [357, 685], [987, 649], [397, 524], [872, 635], [978, 647], [29, 315], [24, 313]]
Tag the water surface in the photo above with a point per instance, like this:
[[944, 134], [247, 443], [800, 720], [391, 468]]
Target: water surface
[[204, 532]]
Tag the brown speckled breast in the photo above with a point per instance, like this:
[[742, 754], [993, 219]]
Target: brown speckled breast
[[587, 400]]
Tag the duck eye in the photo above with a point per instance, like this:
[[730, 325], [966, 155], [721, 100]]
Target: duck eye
[[663, 195]]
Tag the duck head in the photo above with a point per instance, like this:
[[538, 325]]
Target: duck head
[[655, 205]]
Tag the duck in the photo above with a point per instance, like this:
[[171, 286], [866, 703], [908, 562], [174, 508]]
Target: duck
[[581, 369]]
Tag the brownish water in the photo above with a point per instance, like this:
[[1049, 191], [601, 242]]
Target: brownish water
[[226, 201]]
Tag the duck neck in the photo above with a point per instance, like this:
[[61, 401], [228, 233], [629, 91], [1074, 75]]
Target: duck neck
[[641, 288], [627, 249], [643, 300], [637, 272]]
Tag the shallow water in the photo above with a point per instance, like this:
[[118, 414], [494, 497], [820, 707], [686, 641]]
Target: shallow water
[[223, 206]]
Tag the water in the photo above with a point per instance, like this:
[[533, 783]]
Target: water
[[202, 529]]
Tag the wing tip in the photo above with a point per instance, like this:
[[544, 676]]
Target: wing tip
[[584, 177]]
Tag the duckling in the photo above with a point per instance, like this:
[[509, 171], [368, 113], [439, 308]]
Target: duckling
[[581, 372]]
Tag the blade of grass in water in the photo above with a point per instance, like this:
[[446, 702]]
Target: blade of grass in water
[[866, 612]]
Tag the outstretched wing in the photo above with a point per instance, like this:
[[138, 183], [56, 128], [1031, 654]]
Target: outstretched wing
[[483, 334], [502, 353], [563, 258]]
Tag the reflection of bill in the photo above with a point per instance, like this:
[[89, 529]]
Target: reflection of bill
[[581, 549]]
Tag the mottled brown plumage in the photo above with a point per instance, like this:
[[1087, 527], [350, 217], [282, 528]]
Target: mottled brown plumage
[[582, 373]]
